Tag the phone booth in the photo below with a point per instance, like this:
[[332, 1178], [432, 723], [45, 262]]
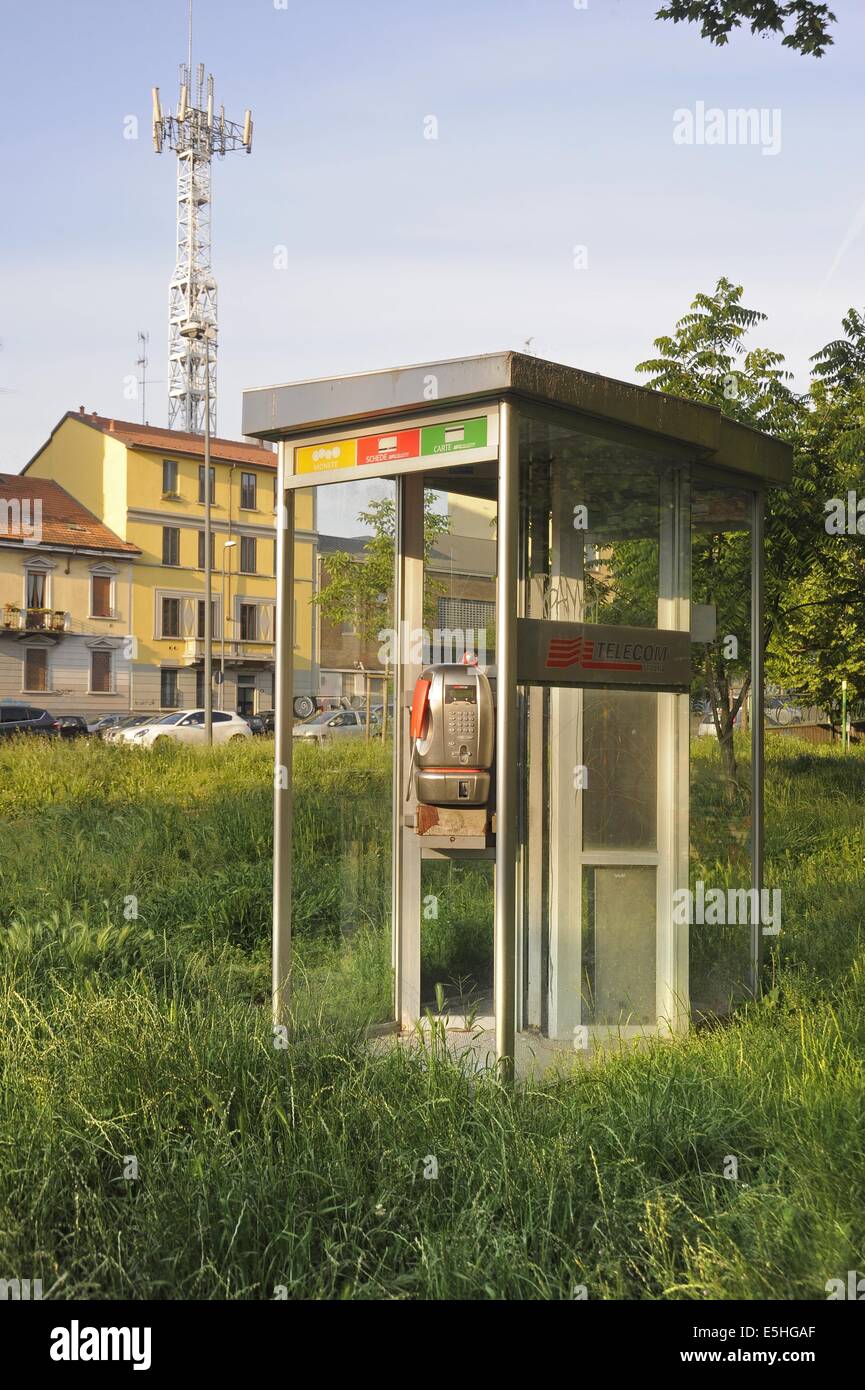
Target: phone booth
[[549, 577]]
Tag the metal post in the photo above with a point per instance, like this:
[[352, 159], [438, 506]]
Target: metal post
[[506, 739], [208, 572], [844, 715], [282, 793], [757, 733]]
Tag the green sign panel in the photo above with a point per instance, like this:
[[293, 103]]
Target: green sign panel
[[450, 438]]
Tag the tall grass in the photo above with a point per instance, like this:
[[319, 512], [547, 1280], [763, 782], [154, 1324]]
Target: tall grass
[[303, 1167]]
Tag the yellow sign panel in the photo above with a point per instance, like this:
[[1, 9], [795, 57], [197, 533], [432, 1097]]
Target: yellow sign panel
[[319, 458]]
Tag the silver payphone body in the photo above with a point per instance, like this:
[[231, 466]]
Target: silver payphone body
[[453, 733]]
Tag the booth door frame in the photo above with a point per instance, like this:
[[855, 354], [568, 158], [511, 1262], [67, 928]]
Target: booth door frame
[[564, 884]]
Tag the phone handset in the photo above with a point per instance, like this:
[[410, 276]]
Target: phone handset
[[419, 711]]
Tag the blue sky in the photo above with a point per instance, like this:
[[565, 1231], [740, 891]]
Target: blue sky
[[555, 130]]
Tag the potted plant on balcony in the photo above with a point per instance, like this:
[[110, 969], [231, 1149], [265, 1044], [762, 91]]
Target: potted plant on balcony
[[10, 615]]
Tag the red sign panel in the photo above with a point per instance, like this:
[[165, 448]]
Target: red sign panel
[[389, 447]]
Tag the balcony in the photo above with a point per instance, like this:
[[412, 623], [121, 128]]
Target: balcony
[[24, 622], [236, 653]]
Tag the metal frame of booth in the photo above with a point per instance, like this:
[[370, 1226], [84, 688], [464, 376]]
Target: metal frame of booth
[[317, 425]]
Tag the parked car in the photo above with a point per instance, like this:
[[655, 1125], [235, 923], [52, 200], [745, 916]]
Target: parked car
[[255, 722], [105, 723], [268, 721], [330, 724], [187, 726], [71, 726], [117, 732], [126, 731], [706, 727], [26, 719]]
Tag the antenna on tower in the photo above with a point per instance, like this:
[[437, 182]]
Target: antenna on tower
[[195, 135], [143, 362]]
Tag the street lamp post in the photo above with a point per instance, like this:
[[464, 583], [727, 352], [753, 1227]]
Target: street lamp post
[[196, 331], [225, 561]]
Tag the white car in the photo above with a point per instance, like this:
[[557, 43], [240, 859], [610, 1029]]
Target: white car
[[123, 732], [331, 724], [187, 726]]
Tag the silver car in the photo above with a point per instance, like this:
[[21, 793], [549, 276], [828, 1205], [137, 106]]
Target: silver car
[[330, 724]]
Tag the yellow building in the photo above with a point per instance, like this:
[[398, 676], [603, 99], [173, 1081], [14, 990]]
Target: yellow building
[[147, 485], [65, 603]]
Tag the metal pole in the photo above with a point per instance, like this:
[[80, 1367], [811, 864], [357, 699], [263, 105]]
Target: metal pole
[[208, 573], [506, 740], [222, 616], [844, 715], [757, 733], [282, 793]]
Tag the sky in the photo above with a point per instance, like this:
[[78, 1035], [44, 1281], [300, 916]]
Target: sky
[[555, 205]]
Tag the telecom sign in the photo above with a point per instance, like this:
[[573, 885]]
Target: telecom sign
[[555, 653]]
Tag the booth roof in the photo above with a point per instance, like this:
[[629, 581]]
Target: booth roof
[[308, 407]]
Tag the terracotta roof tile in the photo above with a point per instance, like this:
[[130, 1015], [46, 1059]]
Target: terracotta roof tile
[[178, 441], [64, 520]]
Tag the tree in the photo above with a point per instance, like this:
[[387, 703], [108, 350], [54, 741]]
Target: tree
[[841, 364], [810, 20], [819, 633], [359, 589], [706, 359]]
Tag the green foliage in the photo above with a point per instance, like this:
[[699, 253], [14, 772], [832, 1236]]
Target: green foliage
[[359, 589], [841, 363], [303, 1167], [705, 359], [809, 34]]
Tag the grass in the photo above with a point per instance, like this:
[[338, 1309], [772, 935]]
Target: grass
[[303, 1167]]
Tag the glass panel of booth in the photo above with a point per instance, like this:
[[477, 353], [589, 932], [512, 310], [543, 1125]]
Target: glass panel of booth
[[604, 560], [721, 774], [342, 756]]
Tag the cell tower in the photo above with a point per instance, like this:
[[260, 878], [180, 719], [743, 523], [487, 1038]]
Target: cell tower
[[196, 134]]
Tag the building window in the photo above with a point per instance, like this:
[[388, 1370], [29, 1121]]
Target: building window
[[247, 491], [199, 689], [100, 673], [170, 617], [247, 555], [36, 669], [201, 550], [201, 483], [169, 477], [248, 622], [100, 596], [36, 597], [168, 689], [170, 545], [201, 617]]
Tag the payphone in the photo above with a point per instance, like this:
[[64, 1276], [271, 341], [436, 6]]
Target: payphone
[[453, 736]]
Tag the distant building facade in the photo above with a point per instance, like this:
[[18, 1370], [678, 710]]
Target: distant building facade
[[148, 485], [66, 587]]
